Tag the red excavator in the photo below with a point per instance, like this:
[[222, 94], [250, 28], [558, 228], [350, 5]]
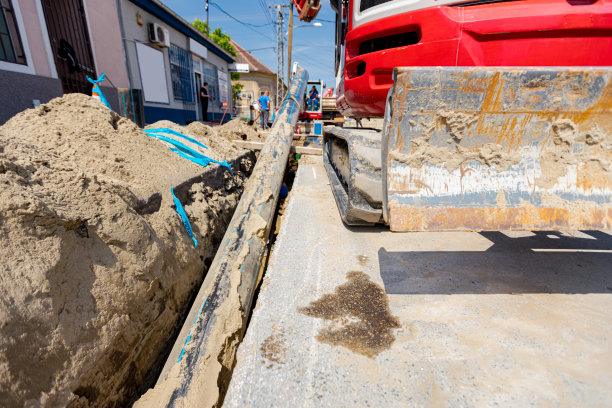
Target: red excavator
[[497, 114]]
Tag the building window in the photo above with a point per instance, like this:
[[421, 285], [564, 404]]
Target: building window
[[181, 71], [209, 74], [11, 49]]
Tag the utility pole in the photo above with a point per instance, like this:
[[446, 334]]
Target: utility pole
[[289, 42], [280, 52], [207, 16]]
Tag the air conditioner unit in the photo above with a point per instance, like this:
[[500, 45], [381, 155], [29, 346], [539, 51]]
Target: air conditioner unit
[[159, 35]]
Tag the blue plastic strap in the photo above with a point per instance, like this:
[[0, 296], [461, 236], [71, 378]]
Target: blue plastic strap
[[188, 153], [202, 161], [189, 337], [183, 214], [98, 90], [124, 105], [175, 133]]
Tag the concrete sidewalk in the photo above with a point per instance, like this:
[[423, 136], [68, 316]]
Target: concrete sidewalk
[[366, 317]]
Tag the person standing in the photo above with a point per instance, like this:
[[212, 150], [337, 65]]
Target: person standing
[[255, 107], [312, 98], [264, 103], [204, 97]]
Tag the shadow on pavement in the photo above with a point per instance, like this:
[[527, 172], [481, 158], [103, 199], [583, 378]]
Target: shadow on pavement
[[546, 262]]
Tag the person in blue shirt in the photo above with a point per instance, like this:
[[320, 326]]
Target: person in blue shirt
[[313, 98], [264, 102]]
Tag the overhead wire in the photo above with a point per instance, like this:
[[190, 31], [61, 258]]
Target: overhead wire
[[218, 7], [311, 61], [318, 19], [264, 48], [265, 8], [252, 27]]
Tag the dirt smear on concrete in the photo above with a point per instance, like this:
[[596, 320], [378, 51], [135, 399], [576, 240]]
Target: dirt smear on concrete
[[97, 265], [358, 315], [363, 260], [273, 349]]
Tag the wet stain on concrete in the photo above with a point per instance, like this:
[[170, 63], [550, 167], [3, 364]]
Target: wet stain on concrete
[[358, 314], [363, 260], [273, 350]]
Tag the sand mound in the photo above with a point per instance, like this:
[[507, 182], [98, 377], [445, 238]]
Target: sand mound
[[97, 266], [238, 129]]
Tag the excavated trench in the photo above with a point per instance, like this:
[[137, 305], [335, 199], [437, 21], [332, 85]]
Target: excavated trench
[[201, 361], [212, 181], [98, 269], [107, 232], [216, 183]]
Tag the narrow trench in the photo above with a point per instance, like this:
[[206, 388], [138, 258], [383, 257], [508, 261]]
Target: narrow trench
[[214, 180], [155, 372], [288, 179]]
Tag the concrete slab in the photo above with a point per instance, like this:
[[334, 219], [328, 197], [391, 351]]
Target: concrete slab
[[487, 319]]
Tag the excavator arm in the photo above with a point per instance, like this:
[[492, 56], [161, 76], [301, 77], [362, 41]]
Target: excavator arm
[[307, 9]]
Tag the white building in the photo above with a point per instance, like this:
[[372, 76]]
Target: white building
[[172, 63]]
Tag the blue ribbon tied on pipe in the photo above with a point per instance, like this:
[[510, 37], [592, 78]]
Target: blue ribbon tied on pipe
[[181, 211], [183, 150], [96, 92]]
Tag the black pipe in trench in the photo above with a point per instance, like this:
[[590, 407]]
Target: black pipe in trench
[[230, 282]]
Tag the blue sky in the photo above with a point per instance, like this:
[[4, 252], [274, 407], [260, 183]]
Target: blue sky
[[313, 47]]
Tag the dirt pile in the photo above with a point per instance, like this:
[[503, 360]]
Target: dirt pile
[[97, 265], [236, 129]]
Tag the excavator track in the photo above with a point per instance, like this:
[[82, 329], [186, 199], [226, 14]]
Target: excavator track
[[352, 159]]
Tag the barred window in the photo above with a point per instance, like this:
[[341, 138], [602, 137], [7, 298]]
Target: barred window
[[210, 75], [181, 71], [11, 49]]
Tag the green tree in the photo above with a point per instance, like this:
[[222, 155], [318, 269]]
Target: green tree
[[236, 89], [218, 36], [201, 26], [223, 40]]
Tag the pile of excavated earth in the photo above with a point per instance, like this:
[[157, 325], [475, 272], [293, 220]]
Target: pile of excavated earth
[[97, 265]]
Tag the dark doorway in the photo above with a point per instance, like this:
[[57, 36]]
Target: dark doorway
[[198, 85], [70, 44]]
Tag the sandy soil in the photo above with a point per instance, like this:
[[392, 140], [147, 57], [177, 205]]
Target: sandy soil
[[236, 129], [97, 266]]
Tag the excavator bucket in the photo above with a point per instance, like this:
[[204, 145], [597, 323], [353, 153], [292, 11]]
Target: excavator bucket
[[498, 148], [307, 9]]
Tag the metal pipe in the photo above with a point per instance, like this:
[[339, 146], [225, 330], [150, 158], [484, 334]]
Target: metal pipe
[[199, 366]]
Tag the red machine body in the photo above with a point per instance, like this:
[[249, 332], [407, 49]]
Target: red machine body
[[308, 116], [502, 33], [312, 110], [307, 9]]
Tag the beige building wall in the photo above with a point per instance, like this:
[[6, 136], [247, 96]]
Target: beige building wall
[[254, 83]]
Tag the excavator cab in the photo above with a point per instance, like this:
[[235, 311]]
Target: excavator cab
[[312, 107]]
